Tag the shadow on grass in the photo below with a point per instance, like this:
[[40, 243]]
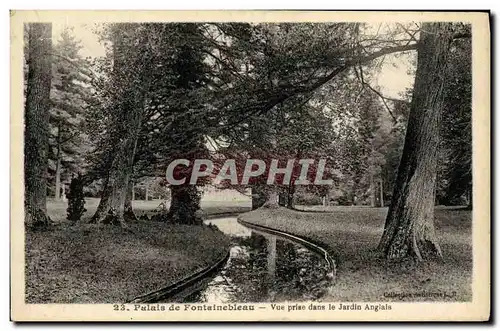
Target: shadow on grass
[[362, 275]]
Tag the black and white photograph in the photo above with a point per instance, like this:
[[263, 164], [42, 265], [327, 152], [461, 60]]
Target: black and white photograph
[[275, 167]]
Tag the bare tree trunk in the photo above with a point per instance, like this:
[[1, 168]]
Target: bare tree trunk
[[381, 192], [290, 202], [373, 191], [282, 199], [259, 196], [326, 202], [63, 194], [57, 195], [272, 200], [36, 117], [129, 106], [184, 205], [409, 228], [103, 206], [120, 172], [129, 213]]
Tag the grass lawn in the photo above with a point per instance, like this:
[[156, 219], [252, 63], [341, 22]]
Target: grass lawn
[[86, 263], [352, 234]]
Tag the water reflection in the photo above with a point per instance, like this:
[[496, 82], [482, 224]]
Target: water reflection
[[271, 258], [264, 268]]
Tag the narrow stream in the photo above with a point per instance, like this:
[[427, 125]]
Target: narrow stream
[[263, 268]]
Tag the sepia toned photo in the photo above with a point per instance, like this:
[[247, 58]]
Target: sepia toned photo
[[250, 166]]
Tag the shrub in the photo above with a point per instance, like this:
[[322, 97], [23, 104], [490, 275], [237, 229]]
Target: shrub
[[76, 199]]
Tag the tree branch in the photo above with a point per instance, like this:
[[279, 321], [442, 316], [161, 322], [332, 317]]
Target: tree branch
[[86, 72], [394, 119], [282, 96], [412, 35], [363, 83], [360, 60], [383, 96]]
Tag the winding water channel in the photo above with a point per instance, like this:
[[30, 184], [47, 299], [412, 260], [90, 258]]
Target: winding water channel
[[263, 268]]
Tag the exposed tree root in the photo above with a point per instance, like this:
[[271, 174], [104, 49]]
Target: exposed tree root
[[129, 214], [37, 219]]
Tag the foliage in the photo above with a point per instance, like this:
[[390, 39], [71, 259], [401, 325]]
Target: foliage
[[221, 90], [70, 93], [456, 130]]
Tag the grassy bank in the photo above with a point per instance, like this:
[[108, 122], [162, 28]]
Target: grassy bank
[[87, 263], [352, 234]]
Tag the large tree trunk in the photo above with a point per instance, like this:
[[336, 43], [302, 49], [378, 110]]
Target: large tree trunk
[[36, 116], [129, 106], [290, 201], [409, 228], [116, 190], [129, 214], [103, 206], [282, 198], [259, 196], [184, 205], [272, 198]]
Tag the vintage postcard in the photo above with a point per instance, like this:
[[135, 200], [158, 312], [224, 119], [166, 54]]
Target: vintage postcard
[[250, 166]]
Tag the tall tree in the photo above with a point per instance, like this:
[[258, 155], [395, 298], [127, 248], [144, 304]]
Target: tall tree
[[36, 116], [130, 77], [457, 126], [409, 228], [190, 73], [160, 115], [69, 91]]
